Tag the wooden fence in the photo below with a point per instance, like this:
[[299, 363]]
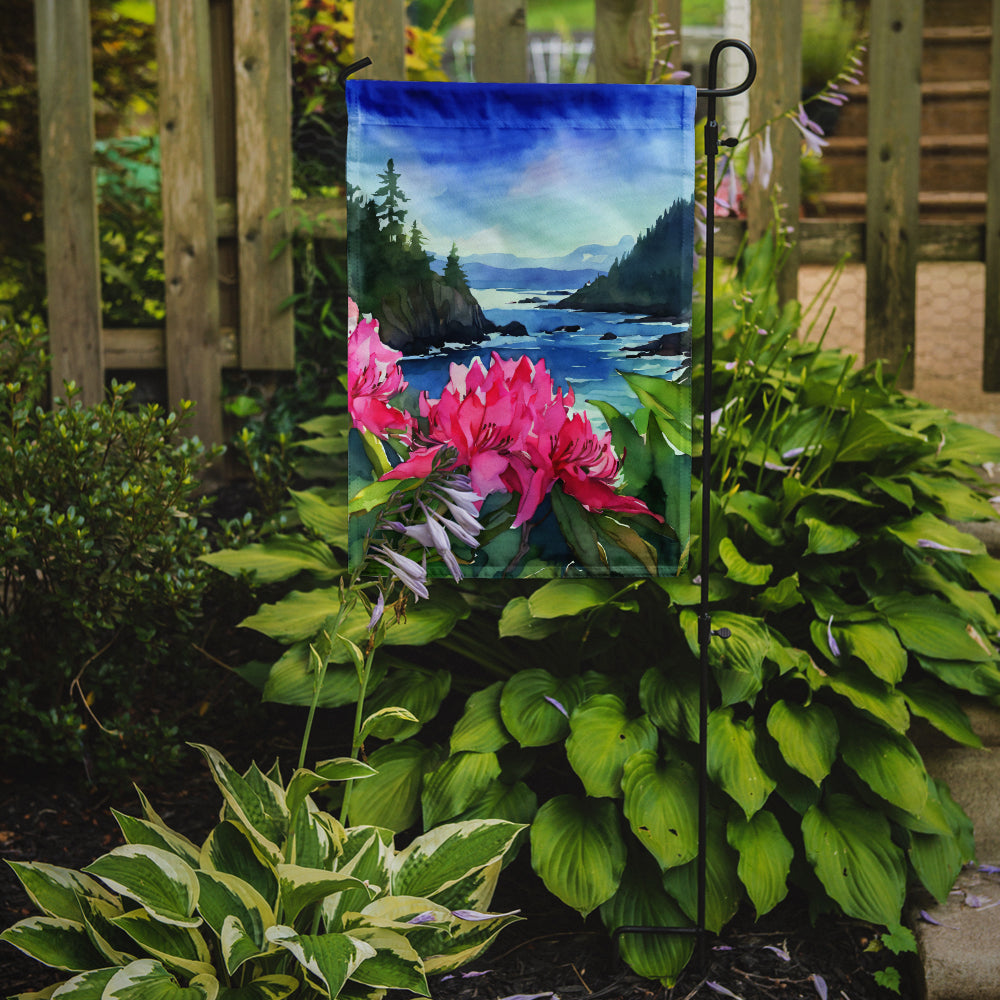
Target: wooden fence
[[226, 162]]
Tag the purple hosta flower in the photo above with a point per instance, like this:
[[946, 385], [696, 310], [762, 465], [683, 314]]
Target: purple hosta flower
[[463, 502], [834, 648], [719, 988], [377, 612], [820, 983], [927, 543], [812, 134], [760, 165], [465, 975], [780, 952], [558, 705], [411, 574], [433, 533], [927, 918], [990, 869], [427, 917]]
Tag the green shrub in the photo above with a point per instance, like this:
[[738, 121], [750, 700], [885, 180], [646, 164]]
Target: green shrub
[[99, 542]]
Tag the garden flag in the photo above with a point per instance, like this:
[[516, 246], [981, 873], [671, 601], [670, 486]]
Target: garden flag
[[520, 271]]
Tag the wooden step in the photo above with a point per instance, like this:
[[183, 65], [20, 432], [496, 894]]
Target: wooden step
[[946, 105]]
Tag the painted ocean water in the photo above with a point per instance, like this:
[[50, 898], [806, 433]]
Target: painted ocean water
[[573, 343]]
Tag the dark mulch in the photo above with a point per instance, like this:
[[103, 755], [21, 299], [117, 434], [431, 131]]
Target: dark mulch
[[551, 951]]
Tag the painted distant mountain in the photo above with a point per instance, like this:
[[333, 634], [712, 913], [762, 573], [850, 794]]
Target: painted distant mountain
[[572, 270]]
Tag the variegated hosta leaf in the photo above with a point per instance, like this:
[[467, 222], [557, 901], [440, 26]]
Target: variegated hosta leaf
[[476, 890], [661, 799], [56, 891], [367, 854], [116, 947], [230, 849], [765, 858], [158, 880], [642, 902], [481, 727], [535, 706], [315, 838], [274, 987], [304, 782], [469, 938], [395, 964], [807, 736], [578, 851], [141, 831], [54, 941], [850, 847], [888, 763], [256, 801], [391, 799], [456, 784], [732, 760], [723, 889], [86, 986], [301, 887], [329, 959], [177, 947], [149, 980], [225, 897], [602, 737], [441, 857]]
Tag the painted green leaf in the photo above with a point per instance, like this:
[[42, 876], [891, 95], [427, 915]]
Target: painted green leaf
[[481, 728], [671, 699], [179, 948], [159, 881], [850, 848], [932, 628], [330, 958], [661, 799], [738, 569], [637, 464], [577, 850], [559, 598], [535, 706], [641, 901], [602, 738], [439, 858], [391, 798], [395, 964], [936, 704], [888, 763], [147, 979], [668, 400], [807, 736], [418, 690], [732, 760], [827, 539], [279, 558], [56, 891], [765, 858], [456, 784], [723, 889], [54, 941]]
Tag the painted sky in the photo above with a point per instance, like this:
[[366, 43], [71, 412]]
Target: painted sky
[[530, 169]]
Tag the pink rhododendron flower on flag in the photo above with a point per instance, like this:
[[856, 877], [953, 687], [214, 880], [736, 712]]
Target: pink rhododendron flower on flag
[[373, 378]]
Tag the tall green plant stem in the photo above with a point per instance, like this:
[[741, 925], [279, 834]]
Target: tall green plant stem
[[357, 737]]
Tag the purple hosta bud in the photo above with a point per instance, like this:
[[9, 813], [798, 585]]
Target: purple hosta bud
[[811, 132], [780, 952], [760, 165], [990, 869], [377, 612], [719, 988], [427, 917], [831, 642], [558, 705], [475, 915], [927, 543], [411, 574], [820, 984]]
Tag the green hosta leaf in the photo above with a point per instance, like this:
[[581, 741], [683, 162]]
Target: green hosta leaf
[[225, 897], [456, 784], [602, 738], [876, 646], [559, 598], [850, 847], [438, 859], [274, 987], [976, 678], [481, 728], [328, 521], [865, 692], [888, 763], [301, 887], [926, 528], [975, 605], [765, 858], [180, 948], [391, 798], [965, 443], [330, 959], [141, 831], [941, 709], [530, 706], [517, 620], [661, 798], [304, 782], [986, 572], [828, 539], [758, 511], [165, 886], [578, 851], [386, 723], [732, 760], [931, 628], [279, 558], [516, 803], [738, 569], [671, 699], [937, 858], [231, 850], [957, 501], [417, 690], [870, 435], [807, 736], [56, 891], [292, 679], [641, 901], [723, 889], [147, 979], [395, 964], [54, 941], [783, 595], [738, 661]]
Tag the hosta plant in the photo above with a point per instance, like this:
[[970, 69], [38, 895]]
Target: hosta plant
[[279, 900]]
